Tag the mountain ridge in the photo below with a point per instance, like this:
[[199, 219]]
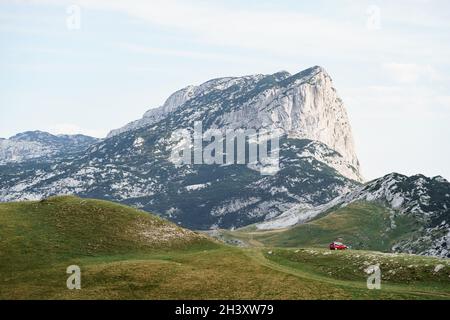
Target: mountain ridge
[[422, 200], [134, 167], [303, 106], [37, 144]]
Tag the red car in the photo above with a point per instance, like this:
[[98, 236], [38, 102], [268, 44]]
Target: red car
[[338, 246]]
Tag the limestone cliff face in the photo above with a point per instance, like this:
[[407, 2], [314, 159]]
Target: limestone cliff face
[[302, 106]]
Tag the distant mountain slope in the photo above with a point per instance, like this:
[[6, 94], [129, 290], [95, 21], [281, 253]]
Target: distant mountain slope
[[196, 196], [427, 200], [361, 225], [134, 165], [37, 145], [421, 203]]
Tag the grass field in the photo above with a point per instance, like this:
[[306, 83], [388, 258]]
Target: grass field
[[124, 253]]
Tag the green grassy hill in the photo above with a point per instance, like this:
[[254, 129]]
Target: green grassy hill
[[36, 233], [125, 253]]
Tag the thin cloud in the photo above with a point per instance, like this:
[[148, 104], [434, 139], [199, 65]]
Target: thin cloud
[[136, 48], [288, 33], [410, 72]]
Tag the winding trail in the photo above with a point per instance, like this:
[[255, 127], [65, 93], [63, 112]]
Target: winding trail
[[256, 254]]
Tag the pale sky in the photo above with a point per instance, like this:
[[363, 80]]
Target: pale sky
[[389, 61]]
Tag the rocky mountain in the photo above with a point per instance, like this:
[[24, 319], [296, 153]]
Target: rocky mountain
[[427, 200], [37, 145], [424, 201], [318, 174], [172, 103], [302, 106], [134, 165]]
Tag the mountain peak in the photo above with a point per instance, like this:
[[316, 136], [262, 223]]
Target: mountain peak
[[281, 75], [413, 194], [302, 106], [310, 72], [38, 144], [440, 179], [31, 135], [319, 69], [181, 96], [315, 70]]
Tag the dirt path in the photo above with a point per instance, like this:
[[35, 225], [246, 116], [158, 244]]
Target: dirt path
[[257, 255]]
